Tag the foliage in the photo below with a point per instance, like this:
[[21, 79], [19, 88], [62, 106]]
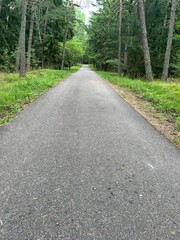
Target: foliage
[[74, 53], [80, 34], [9, 33], [8, 59], [103, 37], [49, 28]]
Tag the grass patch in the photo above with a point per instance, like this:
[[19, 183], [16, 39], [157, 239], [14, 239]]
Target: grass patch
[[16, 92], [176, 141], [164, 96]]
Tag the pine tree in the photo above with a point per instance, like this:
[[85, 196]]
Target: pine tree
[[0, 5], [31, 29], [22, 47], [66, 34], [169, 41], [147, 60], [120, 37]]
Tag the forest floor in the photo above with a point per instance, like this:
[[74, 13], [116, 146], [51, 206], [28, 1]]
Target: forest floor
[[16, 93], [167, 122]]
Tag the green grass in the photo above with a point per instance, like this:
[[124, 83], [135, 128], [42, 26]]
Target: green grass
[[164, 96], [16, 92]]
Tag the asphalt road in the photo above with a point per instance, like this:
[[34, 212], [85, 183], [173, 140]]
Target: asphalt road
[[80, 163]]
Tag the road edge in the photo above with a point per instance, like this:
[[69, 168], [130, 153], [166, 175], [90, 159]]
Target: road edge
[[165, 127]]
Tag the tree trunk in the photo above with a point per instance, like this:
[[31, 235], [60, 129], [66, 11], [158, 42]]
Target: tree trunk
[[43, 37], [18, 57], [166, 16], [64, 45], [22, 47], [126, 51], [66, 35], [42, 57], [40, 39], [0, 6], [30, 36], [126, 57], [120, 37], [147, 60], [169, 41]]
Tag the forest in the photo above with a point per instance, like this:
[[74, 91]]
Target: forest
[[140, 39], [33, 34]]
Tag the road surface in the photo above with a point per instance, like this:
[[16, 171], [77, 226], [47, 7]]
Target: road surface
[[79, 163]]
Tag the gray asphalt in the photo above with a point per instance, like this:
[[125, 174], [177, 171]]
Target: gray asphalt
[[80, 163]]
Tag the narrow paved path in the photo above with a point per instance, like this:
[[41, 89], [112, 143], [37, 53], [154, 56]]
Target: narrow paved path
[[80, 164]]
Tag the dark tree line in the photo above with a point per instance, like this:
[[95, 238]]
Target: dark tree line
[[140, 38]]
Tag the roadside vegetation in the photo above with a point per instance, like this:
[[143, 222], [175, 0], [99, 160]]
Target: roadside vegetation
[[164, 96], [141, 40], [37, 39], [16, 92], [40, 34]]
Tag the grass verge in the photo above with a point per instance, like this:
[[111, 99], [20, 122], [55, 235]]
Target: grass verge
[[164, 98], [15, 93]]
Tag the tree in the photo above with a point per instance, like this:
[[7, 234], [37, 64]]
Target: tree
[[0, 5], [47, 31], [22, 47], [103, 37], [74, 53], [147, 60], [66, 34], [169, 41], [31, 28], [120, 37]]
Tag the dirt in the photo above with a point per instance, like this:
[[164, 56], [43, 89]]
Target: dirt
[[163, 123]]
